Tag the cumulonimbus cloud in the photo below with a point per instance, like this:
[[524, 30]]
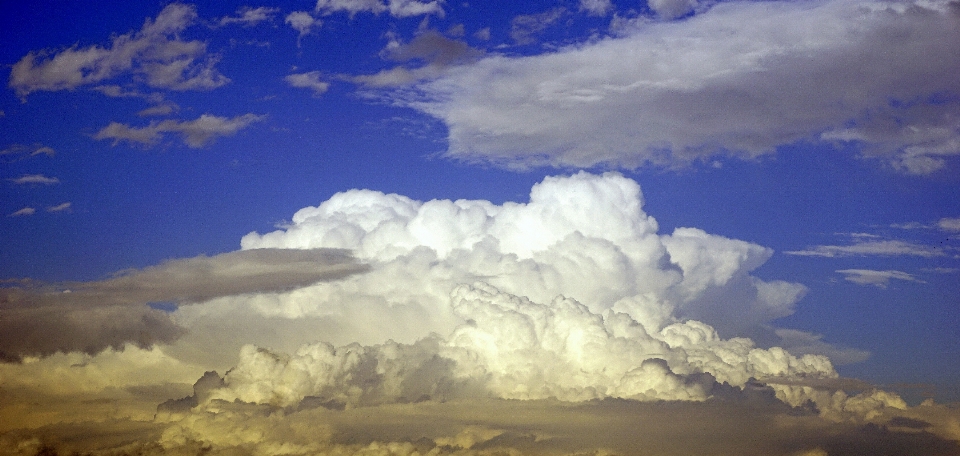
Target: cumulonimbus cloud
[[740, 78]]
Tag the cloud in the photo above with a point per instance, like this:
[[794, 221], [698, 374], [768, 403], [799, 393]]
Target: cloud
[[249, 17], [19, 152], [23, 212], [803, 343], [39, 319], [195, 133], [738, 79], [35, 179], [302, 22], [60, 207], [879, 279], [525, 28], [866, 248], [596, 7], [154, 54], [310, 80], [671, 9], [949, 224], [397, 8], [162, 109], [434, 51]]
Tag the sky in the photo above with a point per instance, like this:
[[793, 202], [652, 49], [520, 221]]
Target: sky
[[437, 227]]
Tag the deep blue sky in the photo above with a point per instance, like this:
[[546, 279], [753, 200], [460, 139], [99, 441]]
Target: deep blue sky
[[788, 184]]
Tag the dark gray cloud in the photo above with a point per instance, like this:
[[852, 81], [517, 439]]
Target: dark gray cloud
[[42, 319]]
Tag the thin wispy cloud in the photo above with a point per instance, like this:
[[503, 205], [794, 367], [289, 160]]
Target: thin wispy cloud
[[879, 279], [871, 248], [35, 179], [194, 133]]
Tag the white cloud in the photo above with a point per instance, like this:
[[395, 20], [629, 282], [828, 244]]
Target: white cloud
[[397, 8], [524, 29], [195, 133], [161, 109], [879, 279], [949, 224], [310, 80], [865, 248], [740, 78], [670, 9], [302, 22], [35, 179], [24, 211], [249, 17], [60, 207], [596, 7], [155, 54]]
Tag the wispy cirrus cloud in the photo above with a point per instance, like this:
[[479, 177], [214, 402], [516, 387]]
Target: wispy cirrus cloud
[[155, 55], [871, 248], [249, 17], [23, 212], [35, 179], [62, 207], [195, 133], [879, 279]]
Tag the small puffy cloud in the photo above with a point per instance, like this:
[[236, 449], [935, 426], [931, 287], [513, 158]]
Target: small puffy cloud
[[249, 17], [737, 79], [162, 109], [35, 179], [302, 22], [950, 225], [879, 279], [596, 7], [39, 319], [871, 247], [154, 54], [397, 8], [524, 29], [195, 133], [310, 80], [60, 207], [23, 212]]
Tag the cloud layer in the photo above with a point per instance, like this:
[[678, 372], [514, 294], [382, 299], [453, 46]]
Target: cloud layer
[[740, 78]]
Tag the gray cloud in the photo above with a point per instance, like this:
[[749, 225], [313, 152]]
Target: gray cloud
[[155, 53], [867, 248], [195, 133], [39, 319], [35, 179], [879, 279], [249, 17], [738, 79]]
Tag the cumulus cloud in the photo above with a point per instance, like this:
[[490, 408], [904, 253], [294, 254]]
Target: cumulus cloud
[[195, 133], [35, 179], [879, 279], [42, 319], [670, 9], [871, 247], [249, 17], [310, 80], [154, 54], [302, 22], [740, 78]]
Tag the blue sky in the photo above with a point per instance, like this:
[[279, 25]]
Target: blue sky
[[826, 134]]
